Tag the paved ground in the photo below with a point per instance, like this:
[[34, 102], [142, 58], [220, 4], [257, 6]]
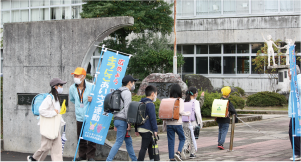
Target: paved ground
[[249, 145]]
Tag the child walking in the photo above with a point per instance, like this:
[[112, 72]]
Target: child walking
[[149, 128], [175, 126], [195, 118]]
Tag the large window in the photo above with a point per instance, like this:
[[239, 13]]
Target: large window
[[217, 8], [223, 59], [39, 10]]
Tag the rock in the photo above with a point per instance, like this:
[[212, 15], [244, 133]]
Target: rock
[[163, 83], [199, 81]]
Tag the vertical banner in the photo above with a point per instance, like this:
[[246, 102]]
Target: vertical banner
[[111, 73], [295, 93]]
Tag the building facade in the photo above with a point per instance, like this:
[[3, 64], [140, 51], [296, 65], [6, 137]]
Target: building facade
[[219, 38]]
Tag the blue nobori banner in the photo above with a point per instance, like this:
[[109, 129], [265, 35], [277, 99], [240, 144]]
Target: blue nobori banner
[[294, 92], [111, 73]]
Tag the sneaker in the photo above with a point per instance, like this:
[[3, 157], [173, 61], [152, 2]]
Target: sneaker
[[30, 158], [178, 157], [192, 156], [220, 147], [297, 157], [172, 160], [80, 159], [91, 159]]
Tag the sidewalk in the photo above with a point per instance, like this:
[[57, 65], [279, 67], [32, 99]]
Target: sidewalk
[[249, 145]]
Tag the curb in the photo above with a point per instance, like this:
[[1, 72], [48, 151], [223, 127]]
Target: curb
[[111, 136], [261, 112]]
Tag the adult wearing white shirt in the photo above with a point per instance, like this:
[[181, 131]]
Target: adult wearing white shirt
[[50, 107]]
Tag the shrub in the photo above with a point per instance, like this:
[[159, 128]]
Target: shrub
[[240, 91], [237, 102], [266, 99]]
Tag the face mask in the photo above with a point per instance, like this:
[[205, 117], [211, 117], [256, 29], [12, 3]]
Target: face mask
[[59, 90], [133, 87], [155, 98], [78, 80]]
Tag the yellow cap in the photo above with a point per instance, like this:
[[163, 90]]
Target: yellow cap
[[79, 71], [226, 91]]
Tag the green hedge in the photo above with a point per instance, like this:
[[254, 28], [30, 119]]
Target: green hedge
[[237, 102], [266, 99], [240, 91]]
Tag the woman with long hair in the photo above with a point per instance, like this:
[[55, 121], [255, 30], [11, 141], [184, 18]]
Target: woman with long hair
[[49, 108], [196, 120]]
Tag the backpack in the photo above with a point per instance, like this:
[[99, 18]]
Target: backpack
[[189, 106], [220, 108], [169, 109], [137, 112], [37, 101], [112, 102]]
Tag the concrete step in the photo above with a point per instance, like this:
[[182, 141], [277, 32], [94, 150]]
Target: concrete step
[[261, 112]]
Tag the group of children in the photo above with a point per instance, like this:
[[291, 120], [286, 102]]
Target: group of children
[[79, 95]]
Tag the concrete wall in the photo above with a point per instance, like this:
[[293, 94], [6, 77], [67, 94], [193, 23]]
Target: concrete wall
[[237, 30], [250, 84], [36, 52]]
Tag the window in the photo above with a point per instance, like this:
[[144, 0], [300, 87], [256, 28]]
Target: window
[[15, 4], [229, 65], [24, 15], [76, 1], [215, 49], [201, 49], [253, 67], [280, 76], [65, 12], [35, 15], [5, 17], [179, 49], [271, 5], [188, 49], [185, 7], [286, 5], [75, 12], [202, 65], [55, 13], [201, 7], [242, 48], [242, 7], [215, 65], [188, 65], [257, 6], [15, 16], [243, 65], [214, 7], [297, 4], [35, 3], [297, 47], [229, 48], [229, 6], [256, 46], [24, 4], [5, 4]]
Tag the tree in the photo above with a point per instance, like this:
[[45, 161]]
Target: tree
[[151, 54], [152, 15]]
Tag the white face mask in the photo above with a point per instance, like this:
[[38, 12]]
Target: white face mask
[[133, 87], [78, 80], [59, 90], [155, 98]]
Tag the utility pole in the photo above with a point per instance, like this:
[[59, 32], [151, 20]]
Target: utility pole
[[175, 42]]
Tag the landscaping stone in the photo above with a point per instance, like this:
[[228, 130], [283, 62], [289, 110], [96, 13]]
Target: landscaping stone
[[199, 81], [163, 83]]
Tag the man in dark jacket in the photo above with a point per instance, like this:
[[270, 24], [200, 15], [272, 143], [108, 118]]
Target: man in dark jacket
[[223, 123], [150, 127]]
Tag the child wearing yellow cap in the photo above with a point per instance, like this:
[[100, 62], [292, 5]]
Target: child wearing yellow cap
[[223, 123]]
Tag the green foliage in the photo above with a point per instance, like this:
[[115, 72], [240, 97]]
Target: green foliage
[[89, 77], [1, 30], [266, 99], [240, 91], [151, 54], [1, 107], [237, 102], [152, 15]]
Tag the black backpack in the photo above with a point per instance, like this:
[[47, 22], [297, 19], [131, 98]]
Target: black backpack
[[112, 102], [137, 113]]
